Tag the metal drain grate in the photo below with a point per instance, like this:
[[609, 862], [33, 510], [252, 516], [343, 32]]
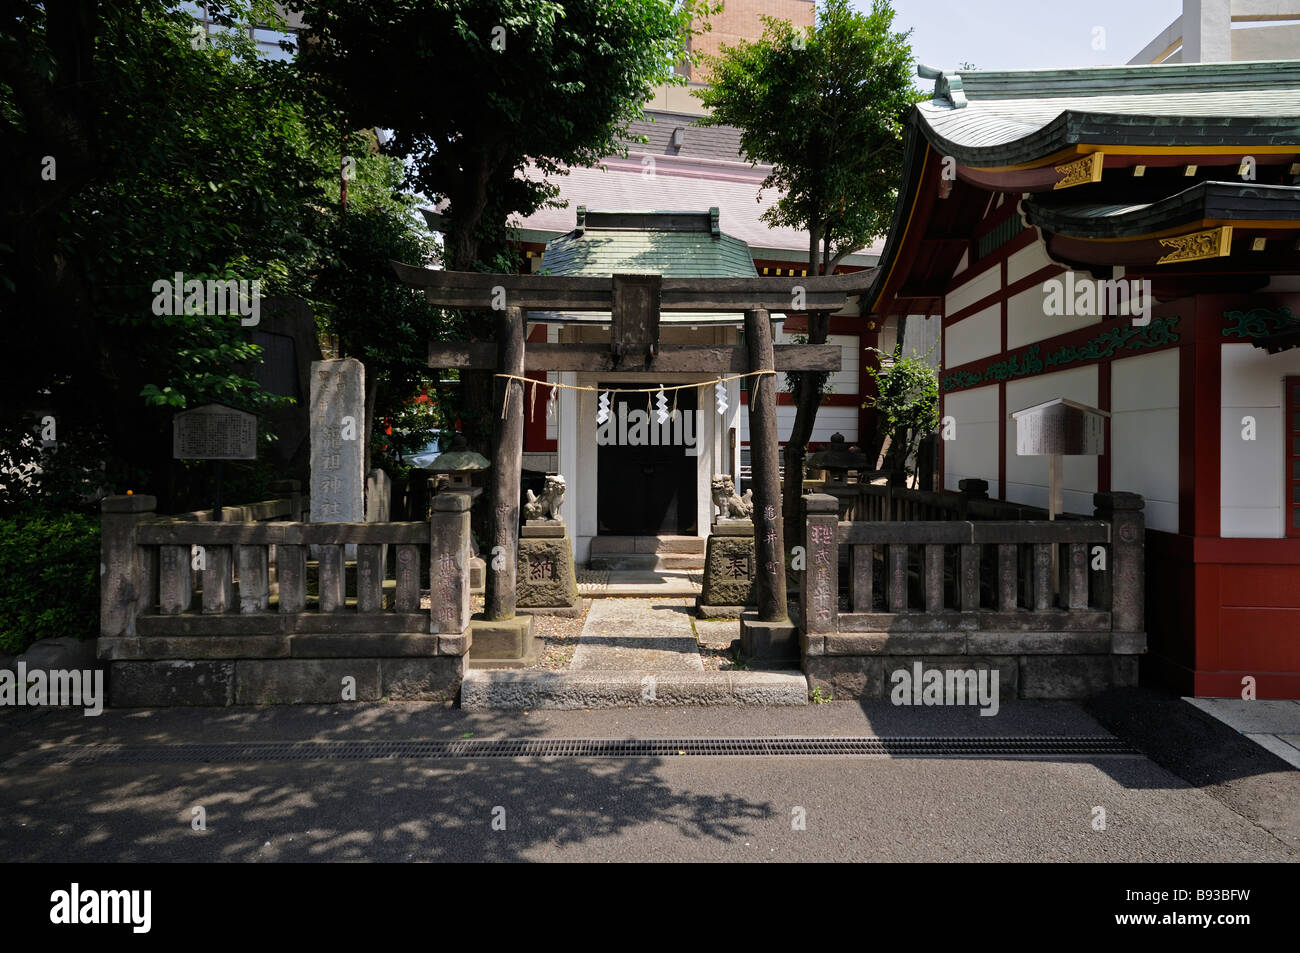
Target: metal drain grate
[[900, 747]]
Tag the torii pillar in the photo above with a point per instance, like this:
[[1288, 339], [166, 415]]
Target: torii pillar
[[767, 636], [507, 468], [501, 638], [765, 479]]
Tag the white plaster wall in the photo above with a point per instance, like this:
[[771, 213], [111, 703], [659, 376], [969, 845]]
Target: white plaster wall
[[1251, 475], [830, 420], [1026, 322], [973, 453], [843, 381], [1027, 476], [552, 423], [981, 286], [1025, 262], [974, 337], [1144, 433]]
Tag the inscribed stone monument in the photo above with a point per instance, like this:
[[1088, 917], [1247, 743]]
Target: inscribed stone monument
[[338, 390]]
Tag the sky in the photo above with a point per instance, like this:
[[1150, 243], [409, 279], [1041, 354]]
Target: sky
[[1030, 34]]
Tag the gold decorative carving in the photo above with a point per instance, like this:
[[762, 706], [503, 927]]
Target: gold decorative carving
[[1213, 243], [1080, 171]]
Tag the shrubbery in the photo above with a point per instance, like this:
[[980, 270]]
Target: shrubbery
[[49, 564]]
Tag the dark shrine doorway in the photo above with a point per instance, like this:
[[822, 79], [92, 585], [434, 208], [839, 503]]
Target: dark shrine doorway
[[646, 471]]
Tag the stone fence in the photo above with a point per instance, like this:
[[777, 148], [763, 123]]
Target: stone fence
[[291, 504], [892, 501], [195, 612], [1055, 606]]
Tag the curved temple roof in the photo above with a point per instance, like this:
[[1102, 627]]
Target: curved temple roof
[[1129, 153]]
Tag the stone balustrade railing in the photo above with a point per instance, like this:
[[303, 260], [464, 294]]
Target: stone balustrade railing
[[231, 602], [1006, 592]]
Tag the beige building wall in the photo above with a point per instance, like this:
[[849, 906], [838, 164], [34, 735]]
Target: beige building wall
[[742, 20], [1220, 30], [739, 20]]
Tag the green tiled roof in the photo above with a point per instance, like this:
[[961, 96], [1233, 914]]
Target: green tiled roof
[[669, 243], [680, 252], [1008, 117]]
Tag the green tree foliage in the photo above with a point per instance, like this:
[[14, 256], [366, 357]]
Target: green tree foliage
[[478, 90], [136, 149], [907, 403], [825, 108], [171, 150], [488, 98], [375, 318], [52, 595]]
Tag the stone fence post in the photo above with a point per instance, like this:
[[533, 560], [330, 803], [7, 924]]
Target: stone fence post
[[819, 588], [449, 564], [1128, 569], [124, 571]]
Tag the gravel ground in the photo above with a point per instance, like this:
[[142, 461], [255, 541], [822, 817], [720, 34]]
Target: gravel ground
[[559, 633], [715, 638], [559, 636]]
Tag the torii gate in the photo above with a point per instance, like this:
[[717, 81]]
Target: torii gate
[[634, 303]]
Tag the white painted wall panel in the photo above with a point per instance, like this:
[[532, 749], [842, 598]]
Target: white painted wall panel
[[1144, 433], [973, 338], [974, 451], [1026, 322], [1027, 261], [843, 381], [1251, 476], [1027, 476], [981, 286]]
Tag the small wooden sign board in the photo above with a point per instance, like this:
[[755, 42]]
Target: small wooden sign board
[[1055, 429], [214, 432]]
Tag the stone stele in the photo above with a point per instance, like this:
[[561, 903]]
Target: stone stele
[[338, 395]]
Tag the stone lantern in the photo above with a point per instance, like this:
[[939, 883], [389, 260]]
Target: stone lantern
[[459, 468], [839, 460]]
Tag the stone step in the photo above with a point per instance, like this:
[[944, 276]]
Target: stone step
[[622, 562], [681, 561], [639, 583], [646, 545], [528, 690], [645, 561]]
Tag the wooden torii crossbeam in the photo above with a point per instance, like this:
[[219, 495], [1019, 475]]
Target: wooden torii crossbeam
[[634, 303]]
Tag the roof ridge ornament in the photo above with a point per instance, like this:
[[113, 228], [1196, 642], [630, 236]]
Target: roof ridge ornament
[[947, 85]]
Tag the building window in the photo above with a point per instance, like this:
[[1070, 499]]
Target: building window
[[267, 40], [1291, 409]]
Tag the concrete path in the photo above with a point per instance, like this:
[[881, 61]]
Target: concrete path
[[1273, 724], [648, 583], [642, 635], [632, 653]]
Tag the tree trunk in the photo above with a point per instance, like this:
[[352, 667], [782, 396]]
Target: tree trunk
[[807, 399]]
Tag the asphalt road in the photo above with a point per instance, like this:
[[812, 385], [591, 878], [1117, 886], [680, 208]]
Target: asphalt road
[[639, 809]]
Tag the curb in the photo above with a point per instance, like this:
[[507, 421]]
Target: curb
[[486, 689]]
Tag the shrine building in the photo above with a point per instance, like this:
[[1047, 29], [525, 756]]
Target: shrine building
[[1127, 238], [631, 476]]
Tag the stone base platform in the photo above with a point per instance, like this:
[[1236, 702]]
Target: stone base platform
[[283, 681], [546, 581], [728, 588], [769, 643], [612, 689], [505, 644], [1038, 677]]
